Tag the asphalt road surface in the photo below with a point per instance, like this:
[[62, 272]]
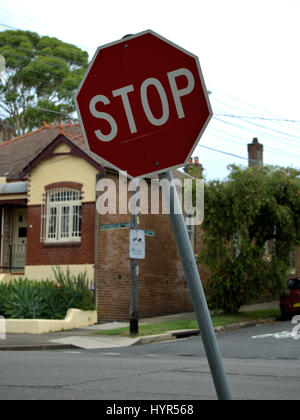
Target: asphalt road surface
[[261, 363]]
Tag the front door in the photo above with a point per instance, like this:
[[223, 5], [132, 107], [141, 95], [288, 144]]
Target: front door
[[19, 239], [6, 231]]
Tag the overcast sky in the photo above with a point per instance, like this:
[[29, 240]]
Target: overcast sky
[[248, 51]]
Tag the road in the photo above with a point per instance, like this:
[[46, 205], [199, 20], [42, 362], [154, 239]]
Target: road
[[259, 366]]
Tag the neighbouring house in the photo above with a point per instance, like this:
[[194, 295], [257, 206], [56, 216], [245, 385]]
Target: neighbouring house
[[48, 217]]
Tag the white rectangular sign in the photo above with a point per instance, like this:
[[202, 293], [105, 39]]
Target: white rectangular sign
[[137, 244]]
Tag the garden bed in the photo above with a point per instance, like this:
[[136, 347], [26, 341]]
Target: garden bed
[[38, 306], [75, 318]]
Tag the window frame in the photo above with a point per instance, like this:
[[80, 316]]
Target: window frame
[[62, 211]]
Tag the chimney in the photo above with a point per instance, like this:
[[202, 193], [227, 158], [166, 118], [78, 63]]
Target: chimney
[[194, 168], [255, 153], [6, 132]]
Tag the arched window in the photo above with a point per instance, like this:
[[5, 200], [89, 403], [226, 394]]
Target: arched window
[[62, 215]]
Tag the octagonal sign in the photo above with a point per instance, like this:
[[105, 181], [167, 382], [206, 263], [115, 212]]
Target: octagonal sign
[[143, 105]]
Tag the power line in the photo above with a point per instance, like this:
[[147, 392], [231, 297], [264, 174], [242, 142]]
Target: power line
[[9, 27], [16, 14], [54, 112], [230, 154], [223, 152], [271, 136], [230, 137], [277, 121], [267, 128], [243, 102], [245, 117]]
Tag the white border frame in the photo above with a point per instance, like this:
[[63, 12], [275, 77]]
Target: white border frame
[[105, 162]]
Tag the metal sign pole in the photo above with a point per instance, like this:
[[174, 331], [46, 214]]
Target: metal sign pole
[[197, 293], [134, 296], [134, 278]]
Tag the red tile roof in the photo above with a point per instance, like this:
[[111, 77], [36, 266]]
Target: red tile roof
[[18, 152]]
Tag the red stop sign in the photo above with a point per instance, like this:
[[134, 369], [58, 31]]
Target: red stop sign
[[143, 104]]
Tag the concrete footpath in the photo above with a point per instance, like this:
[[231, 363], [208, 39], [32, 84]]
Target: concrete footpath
[[83, 338]]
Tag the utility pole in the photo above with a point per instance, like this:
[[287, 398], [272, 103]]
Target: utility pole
[[134, 273]]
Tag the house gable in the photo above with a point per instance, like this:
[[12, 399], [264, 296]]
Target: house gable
[[61, 165], [61, 146]]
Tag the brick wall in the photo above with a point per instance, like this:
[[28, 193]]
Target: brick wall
[[39, 253], [162, 285]]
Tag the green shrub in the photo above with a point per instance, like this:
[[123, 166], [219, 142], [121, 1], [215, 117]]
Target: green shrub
[[45, 299], [56, 305], [75, 288], [21, 299]]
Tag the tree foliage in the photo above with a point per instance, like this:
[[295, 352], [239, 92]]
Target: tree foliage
[[251, 229], [42, 73]]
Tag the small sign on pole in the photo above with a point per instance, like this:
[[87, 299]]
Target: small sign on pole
[[137, 244]]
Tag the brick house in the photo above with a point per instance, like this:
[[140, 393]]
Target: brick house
[[48, 217]]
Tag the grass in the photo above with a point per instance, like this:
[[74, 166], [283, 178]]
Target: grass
[[186, 324]]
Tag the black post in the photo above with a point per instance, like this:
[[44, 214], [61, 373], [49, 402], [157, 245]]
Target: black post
[[134, 280]]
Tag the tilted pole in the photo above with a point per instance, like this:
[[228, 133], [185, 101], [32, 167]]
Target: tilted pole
[[197, 293]]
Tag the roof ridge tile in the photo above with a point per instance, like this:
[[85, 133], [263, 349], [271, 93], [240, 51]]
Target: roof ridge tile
[[43, 127]]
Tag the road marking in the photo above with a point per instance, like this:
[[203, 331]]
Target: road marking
[[112, 354], [282, 334]]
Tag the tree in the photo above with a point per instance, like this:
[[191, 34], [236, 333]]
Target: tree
[[251, 229], [42, 75]]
